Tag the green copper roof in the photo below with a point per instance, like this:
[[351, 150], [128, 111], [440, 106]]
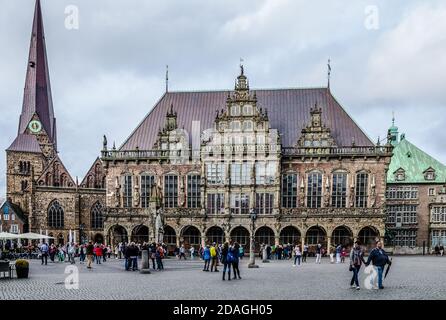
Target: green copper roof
[[414, 162]]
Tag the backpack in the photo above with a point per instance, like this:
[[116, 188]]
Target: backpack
[[213, 252], [230, 257]]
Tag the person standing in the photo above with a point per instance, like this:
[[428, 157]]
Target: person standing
[[134, 256], [192, 252], [44, 251], [305, 253], [104, 252], [71, 253], [120, 250], [214, 257], [235, 249], [338, 253], [206, 257], [182, 252], [226, 259], [159, 257], [82, 253], [89, 250], [242, 252], [343, 254], [297, 255], [98, 253], [356, 260], [441, 250], [379, 258], [318, 253], [53, 251]]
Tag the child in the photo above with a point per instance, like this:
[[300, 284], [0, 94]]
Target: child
[[343, 254]]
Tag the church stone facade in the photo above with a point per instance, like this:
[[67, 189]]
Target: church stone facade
[[282, 165]]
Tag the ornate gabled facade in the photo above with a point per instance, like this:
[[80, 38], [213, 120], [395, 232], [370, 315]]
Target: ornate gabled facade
[[38, 184], [319, 186]]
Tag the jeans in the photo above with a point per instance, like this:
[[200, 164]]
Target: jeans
[[45, 258], [318, 258], [297, 258], [355, 278], [159, 263], [134, 263], [380, 270], [338, 257], [304, 257], [206, 264], [236, 269], [98, 259]]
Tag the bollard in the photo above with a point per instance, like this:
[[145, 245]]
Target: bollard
[[145, 268], [265, 256]]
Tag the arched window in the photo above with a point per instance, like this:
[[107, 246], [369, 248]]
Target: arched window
[[97, 218], [362, 184], [55, 215]]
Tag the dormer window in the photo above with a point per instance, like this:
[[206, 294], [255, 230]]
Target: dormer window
[[429, 174], [400, 175], [235, 110], [247, 110], [247, 125]]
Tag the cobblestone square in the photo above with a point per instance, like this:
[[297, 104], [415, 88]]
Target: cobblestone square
[[413, 277]]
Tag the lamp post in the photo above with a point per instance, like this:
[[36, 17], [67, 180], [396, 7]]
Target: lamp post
[[252, 263]]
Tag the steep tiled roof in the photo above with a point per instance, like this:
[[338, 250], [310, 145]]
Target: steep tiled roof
[[414, 162], [37, 94], [25, 143], [288, 111]]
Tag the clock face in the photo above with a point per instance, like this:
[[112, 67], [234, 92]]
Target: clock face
[[35, 126]]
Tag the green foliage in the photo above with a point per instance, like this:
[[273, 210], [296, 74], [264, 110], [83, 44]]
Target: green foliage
[[21, 263]]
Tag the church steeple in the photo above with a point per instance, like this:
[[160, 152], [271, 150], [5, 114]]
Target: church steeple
[[393, 132], [37, 102]]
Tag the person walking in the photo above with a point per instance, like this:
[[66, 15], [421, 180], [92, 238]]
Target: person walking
[[89, 250], [214, 258], [192, 252], [104, 253], [159, 257], [318, 253], [379, 258], [356, 260], [441, 250], [44, 249], [235, 249], [182, 252], [338, 253], [82, 253], [53, 251], [98, 254], [297, 255], [206, 257], [305, 253]]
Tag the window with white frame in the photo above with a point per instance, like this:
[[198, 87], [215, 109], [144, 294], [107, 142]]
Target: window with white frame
[[215, 203], [402, 214], [402, 193], [289, 190], [147, 182], [235, 110], [127, 191], [264, 203], [247, 110], [193, 191], [405, 238], [314, 195], [239, 203], [265, 172], [247, 125], [14, 228], [339, 190], [431, 191], [241, 173], [438, 214], [215, 173], [171, 191], [362, 183], [438, 237]]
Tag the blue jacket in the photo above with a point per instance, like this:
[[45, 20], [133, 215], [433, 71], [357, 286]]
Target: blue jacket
[[378, 257], [206, 253]]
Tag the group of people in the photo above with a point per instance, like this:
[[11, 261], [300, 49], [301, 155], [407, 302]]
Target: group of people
[[71, 251], [228, 254]]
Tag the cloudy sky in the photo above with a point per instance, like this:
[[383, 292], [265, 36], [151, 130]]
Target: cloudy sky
[[107, 74]]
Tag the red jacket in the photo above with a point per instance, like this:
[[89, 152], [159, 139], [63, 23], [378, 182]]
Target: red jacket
[[98, 251]]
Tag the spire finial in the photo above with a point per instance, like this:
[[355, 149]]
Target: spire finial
[[328, 72], [393, 118], [241, 67], [167, 78]]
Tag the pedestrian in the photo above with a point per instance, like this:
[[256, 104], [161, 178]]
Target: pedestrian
[[235, 249], [226, 258], [98, 254], [214, 258], [89, 250], [133, 253], [379, 258], [305, 253], [297, 255], [71, 253], [338, 253], [356, 260], [331, 253], [206, 257], [120, 250], [53, 252], [343, 254], [104, 252], [152, 251], [82, 253], [318, 253], [182, 252], [242, 252], [192, 252], [44, 249], [441, 250], [159, 257], [437, 250]]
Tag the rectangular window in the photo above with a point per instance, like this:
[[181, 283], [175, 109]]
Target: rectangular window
[[402, 193], [431, 191], [171, 191], [216, 173], [215, 203], [6, 217], [339, 190], [265, 172], [239, 203], [402, 214], [264, 203], [362, 182], [147, 183], [405, 238], [289, 190], [314, 195], [241, 173], [193, 191], [127, 191], [14, 228], [438, 237], [438, 214]]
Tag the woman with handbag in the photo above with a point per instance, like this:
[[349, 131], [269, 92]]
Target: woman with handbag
[[356, 260]]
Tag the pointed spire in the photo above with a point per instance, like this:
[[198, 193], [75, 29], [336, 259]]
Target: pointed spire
[[328, 72], [167, 78], [37, 95]]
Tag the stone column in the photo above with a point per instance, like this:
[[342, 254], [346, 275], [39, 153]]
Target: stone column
[[328, 245], [276, 240], [145, 267]]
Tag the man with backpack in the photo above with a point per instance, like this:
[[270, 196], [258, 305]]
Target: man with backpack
[[214, 258]]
